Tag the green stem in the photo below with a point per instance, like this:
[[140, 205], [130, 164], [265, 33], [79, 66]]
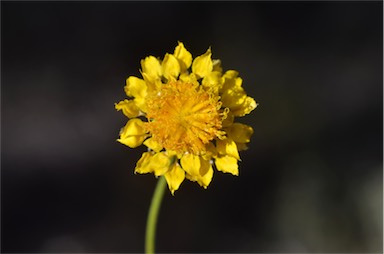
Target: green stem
[[153, 214]]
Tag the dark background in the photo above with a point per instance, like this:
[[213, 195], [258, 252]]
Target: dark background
[[310, 182]]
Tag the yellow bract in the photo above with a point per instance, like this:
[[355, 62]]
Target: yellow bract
[[184, 111]]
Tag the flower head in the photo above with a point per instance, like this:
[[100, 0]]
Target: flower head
[[184, 111]]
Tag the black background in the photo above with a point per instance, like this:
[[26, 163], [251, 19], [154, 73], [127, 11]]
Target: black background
[[310, 182]]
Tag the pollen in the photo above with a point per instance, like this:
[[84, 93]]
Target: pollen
[[184, 117]]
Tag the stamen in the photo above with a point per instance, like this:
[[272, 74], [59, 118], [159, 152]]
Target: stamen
[[184, 117]]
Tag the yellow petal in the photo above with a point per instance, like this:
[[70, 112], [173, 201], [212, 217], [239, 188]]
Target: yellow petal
[[205, 165], [231, 81], [133, 133], [161, 163], [189, 78], [142, 165], [234, 97], [170, 67], [175, 177], [240, 133], [152, 144], [245, 107], [227, 164], [217, 65], [191, 164], [151, 66], [135, 87], [228, 120], [197, 169], [229, 78], [202, 65], [183, 56], [153, 84], [241, 146], [128, 107], [210, 151], [227, 147], [212, 80], [205, 180], [132, 141], [231, 74]]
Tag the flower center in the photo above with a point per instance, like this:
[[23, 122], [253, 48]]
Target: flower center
[[184, 117]]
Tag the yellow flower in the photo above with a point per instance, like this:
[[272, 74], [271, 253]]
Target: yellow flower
[[184, 111]]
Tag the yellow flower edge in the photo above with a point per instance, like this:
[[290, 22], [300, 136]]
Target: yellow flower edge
[[184, 110]]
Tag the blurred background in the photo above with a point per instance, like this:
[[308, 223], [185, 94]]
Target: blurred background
[[311, 180]]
